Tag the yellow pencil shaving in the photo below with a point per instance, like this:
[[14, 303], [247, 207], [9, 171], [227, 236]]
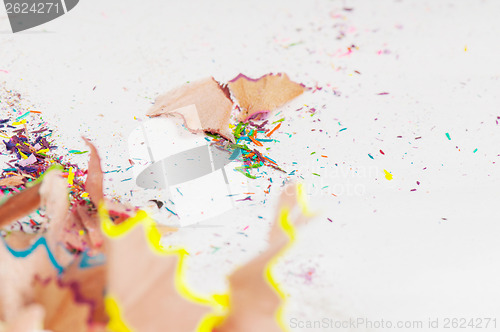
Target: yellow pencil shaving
[[218, 303], [289, 229]]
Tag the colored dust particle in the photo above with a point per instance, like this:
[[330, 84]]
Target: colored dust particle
[[475, 150], [448, 135], [77, 152], [388, 175]]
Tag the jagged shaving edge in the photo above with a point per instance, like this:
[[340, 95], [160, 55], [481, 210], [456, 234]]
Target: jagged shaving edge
[[218, 303]]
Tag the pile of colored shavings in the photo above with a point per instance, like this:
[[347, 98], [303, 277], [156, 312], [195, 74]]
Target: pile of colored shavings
[[253, 134], [26, 152]]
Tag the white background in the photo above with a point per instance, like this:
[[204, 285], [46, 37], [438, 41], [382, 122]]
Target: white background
[[389, 253]]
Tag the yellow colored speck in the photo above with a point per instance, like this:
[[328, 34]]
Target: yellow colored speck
[[388, 175], [71, 176], [19, 122]]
